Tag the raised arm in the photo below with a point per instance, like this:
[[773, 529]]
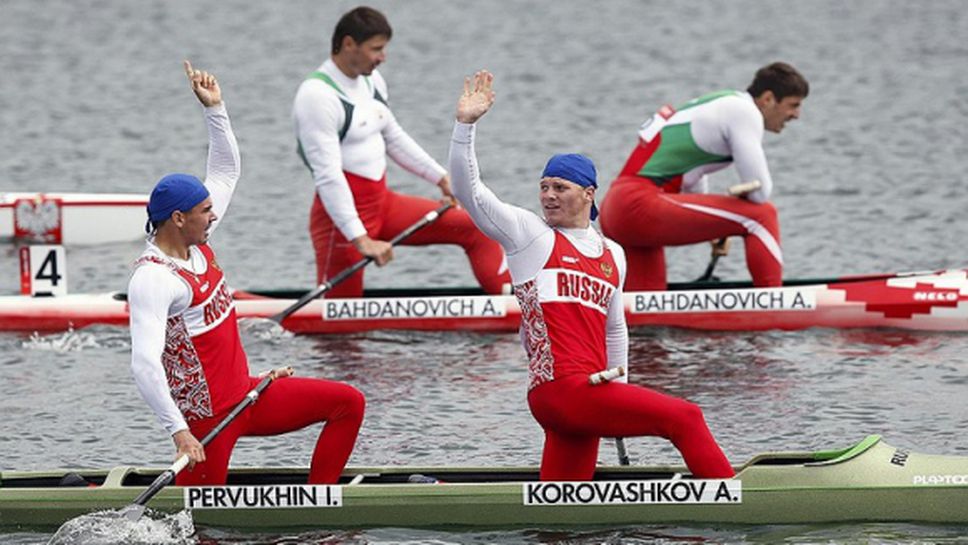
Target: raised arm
[[512, 227], [224, 165]]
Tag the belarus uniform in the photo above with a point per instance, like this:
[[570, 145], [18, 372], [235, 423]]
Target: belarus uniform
[[345, 131], [569, 286], [187, 357], [659, 198]]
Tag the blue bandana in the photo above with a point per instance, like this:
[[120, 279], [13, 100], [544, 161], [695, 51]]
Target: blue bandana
[[175, 192], [575, 168]]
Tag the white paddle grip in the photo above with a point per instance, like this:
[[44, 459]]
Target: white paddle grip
[[606, 375], [739, 190], [180, 463]]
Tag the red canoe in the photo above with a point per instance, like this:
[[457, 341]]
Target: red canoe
[[930, 301]]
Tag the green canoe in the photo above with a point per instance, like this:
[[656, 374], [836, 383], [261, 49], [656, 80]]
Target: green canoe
[[869, 481]]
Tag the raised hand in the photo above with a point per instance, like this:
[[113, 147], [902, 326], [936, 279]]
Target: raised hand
[[204, 85], [477, 98]]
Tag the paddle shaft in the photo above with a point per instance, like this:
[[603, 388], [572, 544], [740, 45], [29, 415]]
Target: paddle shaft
[[429, 218], [168, 475], [623, 454], [707, 276], [601, 377]]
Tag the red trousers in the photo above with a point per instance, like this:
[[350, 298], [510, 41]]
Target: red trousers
[[385, 214], [644, 219], [575, 415], [288, 404]]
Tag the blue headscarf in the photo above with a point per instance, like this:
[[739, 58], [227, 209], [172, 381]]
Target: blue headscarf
[[174, 192], [575, 168]]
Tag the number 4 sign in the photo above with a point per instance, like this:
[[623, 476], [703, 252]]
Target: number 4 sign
[[43, 270]]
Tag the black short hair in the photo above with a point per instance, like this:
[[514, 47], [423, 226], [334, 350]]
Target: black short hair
[[782, 79], [361, 24]]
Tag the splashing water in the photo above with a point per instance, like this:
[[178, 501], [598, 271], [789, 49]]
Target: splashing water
[[109, 527], [263, 329], [69, 341], [94, 337]]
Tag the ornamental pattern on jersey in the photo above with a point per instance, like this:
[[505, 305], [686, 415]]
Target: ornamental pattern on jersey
[[541, 367], [186, 378], [154, 259]]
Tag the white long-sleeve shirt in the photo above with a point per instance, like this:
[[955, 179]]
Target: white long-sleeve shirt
[[729, 126], [155, 293], [527, 239], [319, 115]]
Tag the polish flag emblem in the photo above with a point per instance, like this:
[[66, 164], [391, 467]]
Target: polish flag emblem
[[37, 219]]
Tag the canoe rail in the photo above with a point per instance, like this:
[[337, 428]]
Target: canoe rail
[[135, 477]]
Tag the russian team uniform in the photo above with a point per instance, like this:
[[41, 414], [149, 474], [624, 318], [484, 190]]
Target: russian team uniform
[[569, 286], [345, 131], [187, 356], [659, 199]]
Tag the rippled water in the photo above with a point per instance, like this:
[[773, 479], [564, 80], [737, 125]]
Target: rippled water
[[92, 98]]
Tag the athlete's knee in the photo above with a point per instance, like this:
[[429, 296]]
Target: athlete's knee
[[354, 404], [338, 401], [690, 416], [766, 213]]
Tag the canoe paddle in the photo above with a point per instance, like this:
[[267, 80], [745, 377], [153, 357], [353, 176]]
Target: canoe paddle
[[720, 248], [623, 454], [708, 275], [429, 218], [134, 511], [602, 377]]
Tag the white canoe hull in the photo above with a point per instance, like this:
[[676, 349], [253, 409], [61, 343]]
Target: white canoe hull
[[72, 218]]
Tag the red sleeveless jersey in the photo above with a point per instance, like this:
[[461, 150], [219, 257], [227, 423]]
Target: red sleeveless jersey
[[564, 310], [207, 369]]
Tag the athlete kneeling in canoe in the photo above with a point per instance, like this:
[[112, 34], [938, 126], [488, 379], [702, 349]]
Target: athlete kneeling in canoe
[[568, 281], [186, 355], [659, 198]]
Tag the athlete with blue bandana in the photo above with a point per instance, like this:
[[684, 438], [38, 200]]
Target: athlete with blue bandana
[[186, 354], [568, 281]]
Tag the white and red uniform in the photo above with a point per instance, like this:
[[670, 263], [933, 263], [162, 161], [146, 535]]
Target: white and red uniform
[[569, 286], [202, 344], [345, 130], [187, 357], [564, 310], [659, 199]]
